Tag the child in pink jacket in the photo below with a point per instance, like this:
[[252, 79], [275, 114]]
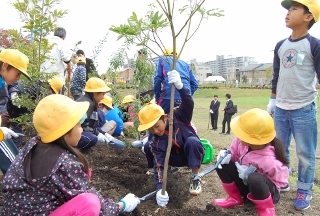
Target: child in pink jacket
[[257, 147]]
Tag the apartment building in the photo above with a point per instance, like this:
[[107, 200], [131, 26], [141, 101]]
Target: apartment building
[[223, 66], [200, 70]]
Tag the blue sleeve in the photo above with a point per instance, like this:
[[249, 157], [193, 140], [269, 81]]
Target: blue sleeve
[[193, 82], [158, 78], [315, 50], [276, 68], [184, 111]]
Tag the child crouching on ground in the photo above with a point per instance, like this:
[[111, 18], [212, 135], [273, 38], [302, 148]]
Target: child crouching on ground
[[187, 149], [50, 176], [255, 145]]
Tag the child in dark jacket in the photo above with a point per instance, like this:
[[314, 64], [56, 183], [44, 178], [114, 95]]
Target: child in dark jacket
[[50, 176], [255, 147], [187, 150]]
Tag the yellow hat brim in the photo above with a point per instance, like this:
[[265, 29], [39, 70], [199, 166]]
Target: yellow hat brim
[[242, 135], [80, 109], [148, 125], [104, 89]]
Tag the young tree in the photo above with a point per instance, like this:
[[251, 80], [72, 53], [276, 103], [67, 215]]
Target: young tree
[[145, 31], [39, 18]]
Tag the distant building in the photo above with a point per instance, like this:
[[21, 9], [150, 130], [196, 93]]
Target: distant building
[[256, 74], [200, 70], [224, 66], [126, 74]]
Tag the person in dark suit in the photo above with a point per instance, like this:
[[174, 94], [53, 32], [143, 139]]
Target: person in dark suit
[[89, 63], [227, 116], [214, 112]]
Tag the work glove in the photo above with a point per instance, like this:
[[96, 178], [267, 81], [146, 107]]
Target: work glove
[[225, 160], [211, 111], [271, 106], [8, 134], [130, 202], [113, 142], [139, 143], [162, 200], [241, 170], [174, 78], [102, 138]]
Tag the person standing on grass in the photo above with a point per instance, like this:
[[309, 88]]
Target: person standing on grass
[[293, 97], [214, 112], [50, 176], [227, 116]]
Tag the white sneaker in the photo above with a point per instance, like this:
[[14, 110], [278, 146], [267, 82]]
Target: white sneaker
[[195, 187]]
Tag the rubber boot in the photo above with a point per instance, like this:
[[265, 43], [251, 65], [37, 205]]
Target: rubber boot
[[264, 207], [234, 198]]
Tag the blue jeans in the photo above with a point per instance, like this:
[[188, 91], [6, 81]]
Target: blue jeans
[[302, 124]]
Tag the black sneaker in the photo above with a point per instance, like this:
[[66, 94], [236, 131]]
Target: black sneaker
[[195, 187]]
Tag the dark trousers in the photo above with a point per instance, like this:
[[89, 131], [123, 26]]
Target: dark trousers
[[257, 184], [87, 140], [8, 152], [226, 119], [192, 157], [214, 120]]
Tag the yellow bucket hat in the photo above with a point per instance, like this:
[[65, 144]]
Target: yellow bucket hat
[[16, 59], [255, 126], [81, 59], [149, 115], [57, 114], [312, 5], [128, 99], [96, 84], [107, 100], [56, 84]]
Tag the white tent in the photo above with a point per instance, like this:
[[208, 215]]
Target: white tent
[[214, 79]]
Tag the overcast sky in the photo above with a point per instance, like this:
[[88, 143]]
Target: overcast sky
[[249, 27]]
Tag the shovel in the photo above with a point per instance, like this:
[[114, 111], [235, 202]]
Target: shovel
[[212, 168]]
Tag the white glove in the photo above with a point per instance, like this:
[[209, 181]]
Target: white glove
[[211, 111], [7, 133], [241, 170], [130, 202], [102, 138], [271, 106], [162, 200], [174, 78], [225, 160]]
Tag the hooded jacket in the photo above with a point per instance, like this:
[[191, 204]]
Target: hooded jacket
[[268, 164], [30, 190]]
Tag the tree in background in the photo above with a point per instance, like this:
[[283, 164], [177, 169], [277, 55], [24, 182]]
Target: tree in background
[[39, 18]]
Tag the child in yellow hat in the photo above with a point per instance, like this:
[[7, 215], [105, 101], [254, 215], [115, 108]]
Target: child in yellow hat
[[95, 89], [56, 84], [257, 167], [78, 81], [127, 110], [49, 175], [13, 63], [187, 150]]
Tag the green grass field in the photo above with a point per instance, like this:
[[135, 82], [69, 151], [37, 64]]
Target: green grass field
[[245, 99]]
